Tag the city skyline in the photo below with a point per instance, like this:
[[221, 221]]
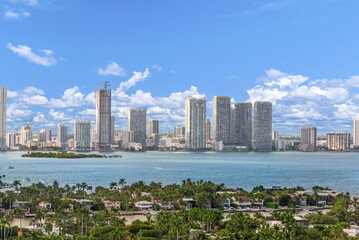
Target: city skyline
[[221, 53]]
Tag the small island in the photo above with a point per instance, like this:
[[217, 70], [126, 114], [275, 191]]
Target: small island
[[66, 155]]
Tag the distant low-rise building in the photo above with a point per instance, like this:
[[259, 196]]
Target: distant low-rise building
[[338, 141], [144, 205]]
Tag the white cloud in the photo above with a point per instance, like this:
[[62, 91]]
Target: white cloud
[[26, 52], [26, 2], [112, 69], [16, 14], [137, 77], [156, 67]]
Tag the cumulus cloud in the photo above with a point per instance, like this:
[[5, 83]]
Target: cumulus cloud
[[137, 77], [156, 67], [112, 69], [26, 52], [16, 14]]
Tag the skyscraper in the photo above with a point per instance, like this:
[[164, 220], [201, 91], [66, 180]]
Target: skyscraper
[[232, 127], [356, 132], [221, 119], [243, 126], [153, 127], [25, 134], [179, 132], [338, 141], [103, 119], [82, 135], [3, 110], [45, 135], [262, 126], [195, 123], [208, 130], [308, 139], [62, 136], [137, 119], [112, 129]]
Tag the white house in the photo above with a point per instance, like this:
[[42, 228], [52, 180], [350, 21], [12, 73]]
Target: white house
[[144, 205]]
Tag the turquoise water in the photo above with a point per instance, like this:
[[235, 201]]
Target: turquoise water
[[339, 171]]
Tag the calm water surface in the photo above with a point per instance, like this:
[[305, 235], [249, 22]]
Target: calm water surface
[[339, 171]]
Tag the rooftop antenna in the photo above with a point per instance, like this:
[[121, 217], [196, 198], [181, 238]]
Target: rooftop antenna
[[106, 83]]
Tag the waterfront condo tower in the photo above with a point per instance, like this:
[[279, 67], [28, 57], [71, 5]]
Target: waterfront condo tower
[[208, 130], [3, 106], [82, 135], [262, 132], [137, 119], [62, 136], [153, 127], [103, 119], [308, 139], [356, 132], [221, 119], [338, 141], [179, 132], [243, 124], [195, 123]]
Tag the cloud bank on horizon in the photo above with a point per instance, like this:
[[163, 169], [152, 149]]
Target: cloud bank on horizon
[[329, 104]]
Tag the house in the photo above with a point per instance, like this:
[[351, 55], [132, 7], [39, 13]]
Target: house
[[226, 202], [273, 223], [188, 202], [303, 201], [243, 201], [144, 205], [23, 205], [45, 205], [352, 232], [165, 205], [84, 202], [322, 202], [110, 204]]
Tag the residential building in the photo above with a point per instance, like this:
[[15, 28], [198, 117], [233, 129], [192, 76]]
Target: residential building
[[62, 136], [262, 132], [93, 138], [208, 130], [153, 127], [232, 127], [82, 135], [221, 119], [356, 132], [144, 205], [103, 119], [243, 124], [308, 139], [25, 134], [3, 114], [275, 140], [45, 135], [338, 141], [112, 129], [11, 139], [110, 204], [137, 124], [195, 123], [124, 137], [179, 132]]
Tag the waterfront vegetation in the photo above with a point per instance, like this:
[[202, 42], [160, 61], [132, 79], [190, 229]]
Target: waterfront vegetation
[[66, 155], [215, 212]]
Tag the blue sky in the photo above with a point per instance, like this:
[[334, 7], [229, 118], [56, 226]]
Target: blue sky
[[301, 55]]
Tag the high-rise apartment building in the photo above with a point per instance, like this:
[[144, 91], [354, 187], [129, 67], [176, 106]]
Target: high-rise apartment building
[[153, 127], [103, 119], [232, 127], [3, 110], [221, 119], [45, 135], [195, 123], [179, 132], [123, 138], [137, 119], [82, 135], [356, 132], [338, 141], [25, 134], [275, 140], [308, 139], [208, 130], [262, 126], [62, 136], [243, 124]]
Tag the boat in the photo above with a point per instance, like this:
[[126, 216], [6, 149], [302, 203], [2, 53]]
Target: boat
[[27, 179], [11, 167]]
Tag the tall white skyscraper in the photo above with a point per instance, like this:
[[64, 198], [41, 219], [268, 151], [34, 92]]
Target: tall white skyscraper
[[243, 126], [103, 119], [262, 126], [62, 136], [221, 119], [195, 123], [137, 119], [82, 135], [153, 127], [25, 134], [3, 110], [45, 135], [356, 132]]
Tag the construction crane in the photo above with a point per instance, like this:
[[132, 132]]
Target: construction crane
[[106, 83]]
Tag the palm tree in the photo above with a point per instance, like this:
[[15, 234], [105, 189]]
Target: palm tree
[[122, 182], [20, 213], [16, 184], [39, 215], [113, 185], [4, 223]]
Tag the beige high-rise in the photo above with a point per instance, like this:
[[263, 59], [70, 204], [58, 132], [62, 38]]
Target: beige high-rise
[[356, 132], [3, 110], [103, 119]]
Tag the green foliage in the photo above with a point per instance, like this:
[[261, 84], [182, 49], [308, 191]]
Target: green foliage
[[66, 155], [271, 205]]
